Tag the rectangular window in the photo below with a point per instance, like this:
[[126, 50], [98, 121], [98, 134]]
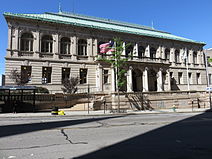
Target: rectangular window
[[180, 77], [198, 78], [26, 72], [65, 73], [209, 76], [46, 74], [105, 76], [189, 78], [83, 76]]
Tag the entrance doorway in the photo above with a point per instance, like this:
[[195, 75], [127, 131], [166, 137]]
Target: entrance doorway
[[137, 80], [152, 80]]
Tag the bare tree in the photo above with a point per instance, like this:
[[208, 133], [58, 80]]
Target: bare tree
[[19, 78], [70, 85]]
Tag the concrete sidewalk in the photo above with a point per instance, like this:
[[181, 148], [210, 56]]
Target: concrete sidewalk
[[101, 112]]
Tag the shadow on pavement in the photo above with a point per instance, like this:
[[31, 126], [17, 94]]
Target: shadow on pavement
[[187, 139], [9, 130]]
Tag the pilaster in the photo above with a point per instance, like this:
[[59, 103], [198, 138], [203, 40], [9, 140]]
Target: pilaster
[[90, 49], [74, 48], [15, 42], [36, 44]]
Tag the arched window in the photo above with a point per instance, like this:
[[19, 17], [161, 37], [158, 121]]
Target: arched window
[[129, 51], [26, 42], [65, 44], [177, 56], [82, 47], [152, 53], [195, 57], [141, 51], [167, 54], [46, 44]]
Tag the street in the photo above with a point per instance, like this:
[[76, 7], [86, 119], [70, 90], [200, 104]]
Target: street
[[151, 136]]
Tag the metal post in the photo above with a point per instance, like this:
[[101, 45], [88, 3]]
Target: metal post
[[88, 96], [208, 84]]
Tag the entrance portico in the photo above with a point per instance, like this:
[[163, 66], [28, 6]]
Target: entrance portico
[[144, 79]]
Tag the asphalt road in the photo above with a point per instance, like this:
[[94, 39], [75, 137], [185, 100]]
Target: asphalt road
[[146, 136]]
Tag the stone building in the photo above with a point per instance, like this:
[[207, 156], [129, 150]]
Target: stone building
[[50, 47], [208, 54]]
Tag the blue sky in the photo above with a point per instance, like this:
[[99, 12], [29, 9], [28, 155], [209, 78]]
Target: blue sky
[[187, 18]]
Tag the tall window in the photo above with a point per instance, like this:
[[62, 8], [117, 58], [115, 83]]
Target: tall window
[[82, 47], [46, 44], [105, 76], [210, 80], [177, 56], [129, 51], [26, 72], [152, 53], [141, 51], [65, 44], [46, 74], [83, 76], [65, 73], [180, 78], [195, 57], [167, 54], [26, 42], [190, 78], [198, 78]]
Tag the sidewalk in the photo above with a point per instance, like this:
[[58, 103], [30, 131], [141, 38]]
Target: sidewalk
[[101, 112]]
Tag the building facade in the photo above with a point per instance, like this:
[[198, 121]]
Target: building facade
[[49, 47]]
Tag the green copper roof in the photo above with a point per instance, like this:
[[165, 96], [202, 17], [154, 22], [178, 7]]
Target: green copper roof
[[100, 23]]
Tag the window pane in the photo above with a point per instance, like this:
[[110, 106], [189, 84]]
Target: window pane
[[26, 72], [83, 76], [46, 74]]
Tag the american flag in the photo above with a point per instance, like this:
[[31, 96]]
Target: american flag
[[106, 47]]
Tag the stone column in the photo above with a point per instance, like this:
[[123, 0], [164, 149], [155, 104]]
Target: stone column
[[56, 46], [160, 80], [113, 80], [172, 55], [147, 51], [95, 47], [145, 80], [74, 48], [158, 52], [181, 55], [162, 52], [15, 43], [89, 49], [99, 78], [124, 49], [129, 80], [9, 41], [168, 81], [191, 59], [36, 44], [202, 59], [135, 52]]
